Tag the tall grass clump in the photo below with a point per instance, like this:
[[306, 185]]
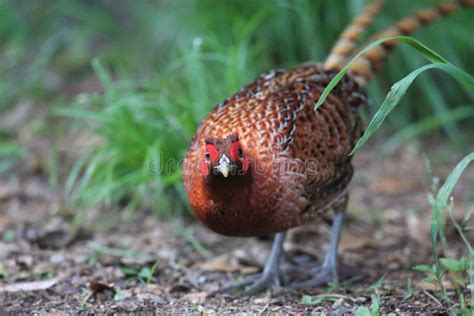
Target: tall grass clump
[[460, 271], [144, 129]]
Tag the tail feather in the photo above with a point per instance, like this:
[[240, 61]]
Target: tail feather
[[367, 64], [346, 43]]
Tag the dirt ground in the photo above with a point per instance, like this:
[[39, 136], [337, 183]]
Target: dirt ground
[[173, 266]]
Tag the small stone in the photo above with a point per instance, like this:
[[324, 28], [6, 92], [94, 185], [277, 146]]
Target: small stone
[[25, 262], [56, 258]]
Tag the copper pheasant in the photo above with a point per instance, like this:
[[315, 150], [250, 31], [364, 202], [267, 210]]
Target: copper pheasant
[[265, 161]]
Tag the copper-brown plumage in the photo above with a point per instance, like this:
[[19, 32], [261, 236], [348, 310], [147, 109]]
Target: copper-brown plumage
[[264, 160], [299, 160]]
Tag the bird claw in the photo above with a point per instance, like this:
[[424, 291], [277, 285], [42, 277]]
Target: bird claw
[[321, 275], [258, 283], [265, 282]]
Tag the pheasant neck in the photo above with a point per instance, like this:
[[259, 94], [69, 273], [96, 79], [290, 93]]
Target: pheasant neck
[[229, 189]]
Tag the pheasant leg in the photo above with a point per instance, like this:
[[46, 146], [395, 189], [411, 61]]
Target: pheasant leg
[[270, 276], [327, 272]]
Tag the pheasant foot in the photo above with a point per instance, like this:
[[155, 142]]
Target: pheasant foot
[[270, 278], [327, 272]]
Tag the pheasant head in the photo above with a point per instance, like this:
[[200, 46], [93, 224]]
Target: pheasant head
[[223, 157]]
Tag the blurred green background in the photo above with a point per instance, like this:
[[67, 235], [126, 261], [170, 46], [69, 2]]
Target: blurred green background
[[113, 88]]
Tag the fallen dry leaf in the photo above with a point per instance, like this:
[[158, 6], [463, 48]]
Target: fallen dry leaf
[[306, 249], [223, 263], [351, 242], [97, 287], [29, 286], [428, 286], [195, 298], [267, 299], [179, 287], [392, 186], [204, 311], [150, 297]]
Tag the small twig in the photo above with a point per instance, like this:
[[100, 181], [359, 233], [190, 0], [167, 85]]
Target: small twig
[[196, 244], [190, 275], [335, 295], [29, 286], [433, 298], [260, 312], [32, 286]]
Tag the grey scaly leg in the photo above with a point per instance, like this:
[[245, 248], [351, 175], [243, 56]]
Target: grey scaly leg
[[327, 272], [271, 273], [270, 276]]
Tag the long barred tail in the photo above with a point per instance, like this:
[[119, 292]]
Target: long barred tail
[[366, 65], [347, 41]]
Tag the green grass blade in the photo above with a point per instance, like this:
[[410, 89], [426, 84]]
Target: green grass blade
[[445, 191], [104, 77], [441, 202], [399, 89], [195, 243], [78, 113], [73, 176]]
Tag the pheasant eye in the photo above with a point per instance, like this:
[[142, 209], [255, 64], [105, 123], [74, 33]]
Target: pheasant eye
[[211, 153], [236, 152]]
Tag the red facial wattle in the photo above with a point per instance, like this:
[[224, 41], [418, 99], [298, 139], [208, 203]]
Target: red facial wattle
[[234, 151], [245, 164], [212, 151], [211, 157], [204, 167], [236, 155]]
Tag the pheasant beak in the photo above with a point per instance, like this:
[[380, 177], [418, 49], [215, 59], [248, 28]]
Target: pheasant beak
[[224, 166]]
